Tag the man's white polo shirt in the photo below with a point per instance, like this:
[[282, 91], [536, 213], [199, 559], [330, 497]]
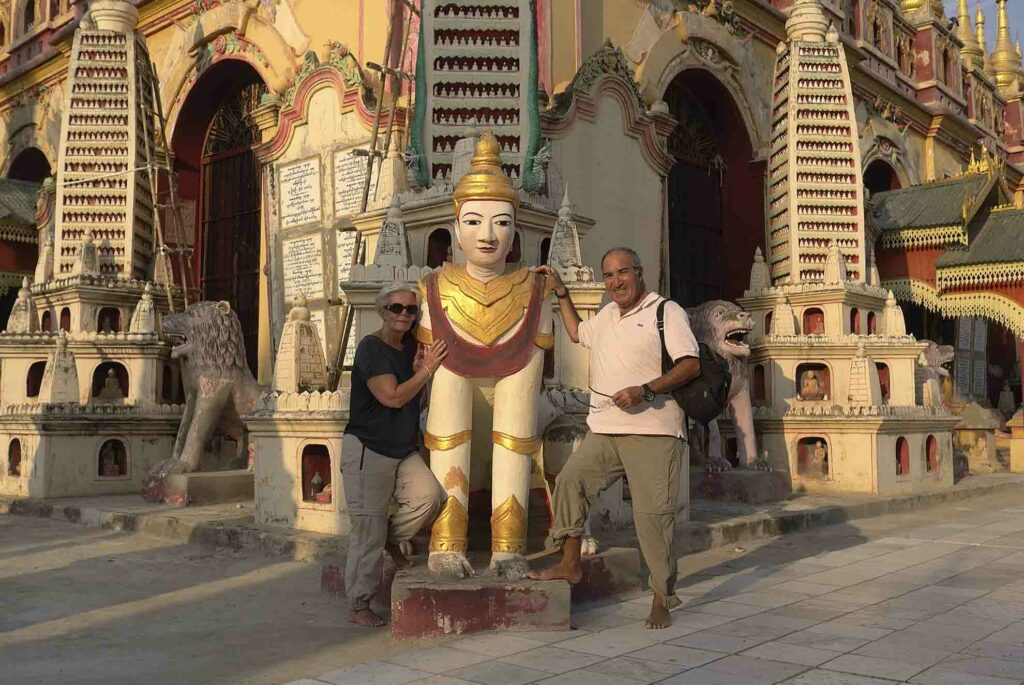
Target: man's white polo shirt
[[625, 350]]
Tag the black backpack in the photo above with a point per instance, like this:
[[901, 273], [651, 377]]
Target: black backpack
[[703, 398]]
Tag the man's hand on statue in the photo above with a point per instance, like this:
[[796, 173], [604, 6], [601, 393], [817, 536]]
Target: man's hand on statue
[[554, 279], [628, 397], [433, 355]]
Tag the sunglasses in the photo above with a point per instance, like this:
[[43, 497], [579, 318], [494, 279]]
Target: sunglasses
[[397, 308]]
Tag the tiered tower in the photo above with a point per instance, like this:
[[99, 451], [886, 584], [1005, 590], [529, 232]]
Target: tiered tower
[[814, 188], [831, 365], [478, 62], [105, 134]]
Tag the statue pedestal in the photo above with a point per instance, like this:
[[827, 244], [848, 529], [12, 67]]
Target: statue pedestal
[[740, 485], [197, 489], [1016, 426]]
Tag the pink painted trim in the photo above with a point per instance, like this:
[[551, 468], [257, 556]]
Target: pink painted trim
[[638, 125], [544, 44]]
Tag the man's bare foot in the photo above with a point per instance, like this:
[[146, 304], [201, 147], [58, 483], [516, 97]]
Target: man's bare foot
[[401, 561], [365, 617], [560, 571], [659, 616]]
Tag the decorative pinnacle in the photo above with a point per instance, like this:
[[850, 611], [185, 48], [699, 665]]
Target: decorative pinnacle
[[758, 257], [979, 25], [395, 210], [806, 22], [1005, 60], [965, 32], [565, 211]]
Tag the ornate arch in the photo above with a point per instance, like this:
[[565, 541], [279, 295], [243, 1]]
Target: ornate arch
[[32, 120], [698, 42], [882, 139]]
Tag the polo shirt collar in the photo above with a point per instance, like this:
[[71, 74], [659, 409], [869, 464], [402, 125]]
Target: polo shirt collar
[[649, 299]]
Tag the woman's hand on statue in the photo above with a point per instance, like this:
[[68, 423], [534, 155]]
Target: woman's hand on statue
[[430, 356], [628, 397], [554, 280]]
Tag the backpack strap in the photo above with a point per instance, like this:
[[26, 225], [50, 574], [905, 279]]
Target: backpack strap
[[666, 360]]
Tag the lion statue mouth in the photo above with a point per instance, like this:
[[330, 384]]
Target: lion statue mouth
[[736, 338]]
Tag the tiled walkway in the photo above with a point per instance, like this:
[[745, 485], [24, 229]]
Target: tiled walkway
[[935, 597]]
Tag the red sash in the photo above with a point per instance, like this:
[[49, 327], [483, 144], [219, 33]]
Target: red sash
[[469, 360]]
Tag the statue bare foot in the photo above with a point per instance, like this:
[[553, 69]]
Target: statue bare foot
[[365, 617], [511, 566], [398, 555], [659, 616], [450, 565], [718, 465]]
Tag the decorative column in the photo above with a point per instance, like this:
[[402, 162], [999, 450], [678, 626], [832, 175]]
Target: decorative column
[[266, 118]]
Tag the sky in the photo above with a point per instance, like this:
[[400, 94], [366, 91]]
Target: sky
[[1015, 9]]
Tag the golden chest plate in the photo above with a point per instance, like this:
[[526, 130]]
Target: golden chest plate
[[486, 311]]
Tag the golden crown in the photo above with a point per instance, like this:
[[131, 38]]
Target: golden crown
[[486, 180]]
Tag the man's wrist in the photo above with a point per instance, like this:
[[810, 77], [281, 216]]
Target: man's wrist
[[562, 295]]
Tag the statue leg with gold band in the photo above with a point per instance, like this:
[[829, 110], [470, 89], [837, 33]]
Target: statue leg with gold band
[[448, 437], [515, 444]]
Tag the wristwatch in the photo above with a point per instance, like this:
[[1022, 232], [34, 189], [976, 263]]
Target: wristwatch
[[648, 393]]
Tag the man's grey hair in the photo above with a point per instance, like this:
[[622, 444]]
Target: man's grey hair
[[629, 251], [391, 289]]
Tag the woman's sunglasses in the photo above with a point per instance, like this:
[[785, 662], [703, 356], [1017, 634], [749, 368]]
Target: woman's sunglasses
[[397, 308]]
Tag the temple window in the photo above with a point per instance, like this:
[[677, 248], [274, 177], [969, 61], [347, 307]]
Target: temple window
[[112, 460], [872, 323], [29, 16], [167, 384], [812, 457], [883, 380], [439, 247], [110, 382], [855, 321], [108, 320], [902, 457], [759, 391], [316, 474], [34, 380], [47, 322], [814, 382], [545, 250], [14, 458], [768, 323], [65, 320], [814, 322], [931, 454]]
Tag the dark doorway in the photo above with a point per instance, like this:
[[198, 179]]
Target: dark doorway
[[218, 172], [715, 193], [879, 177], [30, 165]]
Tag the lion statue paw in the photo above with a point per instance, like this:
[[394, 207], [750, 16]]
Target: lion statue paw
[[718, 464], [451, 565], [510, 566]]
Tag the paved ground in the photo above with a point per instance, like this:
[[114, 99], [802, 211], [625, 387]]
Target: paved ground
[[934, 597]]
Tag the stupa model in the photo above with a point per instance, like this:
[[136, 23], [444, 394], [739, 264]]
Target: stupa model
[[831, 364]]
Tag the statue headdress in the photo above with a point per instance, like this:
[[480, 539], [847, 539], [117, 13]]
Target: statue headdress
[[486, 180]]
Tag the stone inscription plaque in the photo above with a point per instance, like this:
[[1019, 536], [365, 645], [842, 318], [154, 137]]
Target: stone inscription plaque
[[303, 265], [300, 193], [346, 254], [317, 319], [349, 177]]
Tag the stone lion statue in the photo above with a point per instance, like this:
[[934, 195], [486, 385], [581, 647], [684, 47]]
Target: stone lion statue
[[931, 365], [219, 387], [723, 326]]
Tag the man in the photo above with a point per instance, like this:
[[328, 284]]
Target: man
[[635, 426]]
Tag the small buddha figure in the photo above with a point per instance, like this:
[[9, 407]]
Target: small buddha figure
[[105, 325], [108, 460], [316, 485], [324, 496], [821, 457], [810, 389], [111, 387]]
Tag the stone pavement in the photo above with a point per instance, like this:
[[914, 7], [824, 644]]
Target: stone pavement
[[932, 597]]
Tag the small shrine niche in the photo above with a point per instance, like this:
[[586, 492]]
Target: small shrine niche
[[758, 385], [34, 379], [872, 323], [902, 457], [171, 390], [108, 320], [65, 320], [883, 380], [812, 458], [110, 382], [768, 323], [814, 321], [813, 382], [931, 454], [855, 321], [46, 323], [316, 474], [14, 458], [112, 460], [439, 247], [545, 250]]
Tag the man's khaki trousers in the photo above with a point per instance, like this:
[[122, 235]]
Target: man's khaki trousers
[[651, 463]]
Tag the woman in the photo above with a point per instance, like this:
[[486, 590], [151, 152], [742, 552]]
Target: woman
[[379, 458]]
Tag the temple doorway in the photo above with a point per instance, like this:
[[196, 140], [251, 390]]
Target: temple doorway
[[30, 165], [219, 187], [879, 176], [715, 192], [17, 258]]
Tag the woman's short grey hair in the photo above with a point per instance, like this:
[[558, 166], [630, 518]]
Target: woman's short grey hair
[[391, 289], [627, 250]]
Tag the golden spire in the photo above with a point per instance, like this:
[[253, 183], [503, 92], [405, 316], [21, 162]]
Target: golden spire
[[971, 51], [1005, 60], [979, 21], [486, 180]]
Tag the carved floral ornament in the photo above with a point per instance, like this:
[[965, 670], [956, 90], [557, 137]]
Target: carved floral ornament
[[608, 61], [340, 59]]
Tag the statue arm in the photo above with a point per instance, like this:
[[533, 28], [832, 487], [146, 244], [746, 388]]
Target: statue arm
[[422, 333]]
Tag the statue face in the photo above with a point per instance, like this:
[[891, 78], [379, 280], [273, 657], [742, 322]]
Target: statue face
[[485, 230]]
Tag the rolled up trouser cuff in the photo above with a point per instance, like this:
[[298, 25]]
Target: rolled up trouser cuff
[[559, 535]]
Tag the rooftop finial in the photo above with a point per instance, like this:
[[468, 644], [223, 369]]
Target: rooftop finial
[[807, 22]]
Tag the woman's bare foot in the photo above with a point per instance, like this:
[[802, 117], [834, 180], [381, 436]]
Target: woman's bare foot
[[401, 561], [659, 616], [365, 617]]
